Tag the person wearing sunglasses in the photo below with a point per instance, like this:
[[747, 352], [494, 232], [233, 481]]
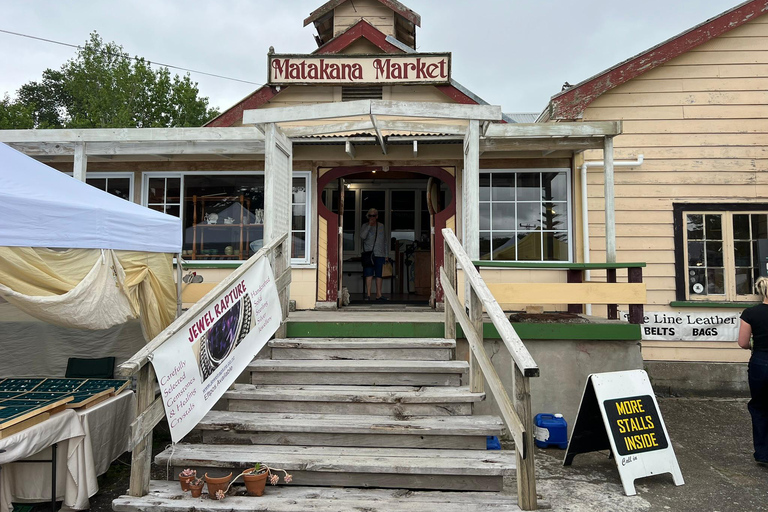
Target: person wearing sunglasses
[[374, 253]]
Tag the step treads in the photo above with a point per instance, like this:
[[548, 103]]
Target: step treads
[[363, 343], [344, 460], [355, 394], [358, 366], [352, 424], [167, 496]]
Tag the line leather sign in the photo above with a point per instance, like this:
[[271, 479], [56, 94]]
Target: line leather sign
[[415, 68], [619, 412]]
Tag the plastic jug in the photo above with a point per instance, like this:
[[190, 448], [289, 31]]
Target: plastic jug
[[550, 430]]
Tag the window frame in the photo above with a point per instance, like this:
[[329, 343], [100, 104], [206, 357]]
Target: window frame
[[569, 209], [306, 175], [727, 210], [107, 175]]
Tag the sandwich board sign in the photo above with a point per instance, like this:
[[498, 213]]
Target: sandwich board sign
[[619, 412]]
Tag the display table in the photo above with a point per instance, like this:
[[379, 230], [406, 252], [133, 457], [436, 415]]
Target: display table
[[88, 441]]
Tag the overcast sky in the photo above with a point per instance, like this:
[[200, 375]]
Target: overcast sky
[[513, 53]]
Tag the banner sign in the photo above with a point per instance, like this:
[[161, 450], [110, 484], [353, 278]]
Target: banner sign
[[619, 412], [199, 363], [676, 325], [414, 68]]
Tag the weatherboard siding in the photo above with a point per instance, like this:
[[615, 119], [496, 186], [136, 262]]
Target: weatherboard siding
[[377, 14], [701, 122]]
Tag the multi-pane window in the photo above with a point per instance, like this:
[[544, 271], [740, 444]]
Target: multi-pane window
[[720, 249], [524, 215], [164, 195], [119, 185]]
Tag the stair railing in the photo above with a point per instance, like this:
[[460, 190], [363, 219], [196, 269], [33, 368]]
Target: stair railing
[[150, 410], [518, 417]]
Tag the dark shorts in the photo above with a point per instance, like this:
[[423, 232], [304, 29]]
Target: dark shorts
[[376, 269]]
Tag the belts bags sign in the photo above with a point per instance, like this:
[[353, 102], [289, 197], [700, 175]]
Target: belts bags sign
[[619, 411]]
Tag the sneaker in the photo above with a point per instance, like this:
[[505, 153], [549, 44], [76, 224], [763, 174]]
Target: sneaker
[[381, 299]]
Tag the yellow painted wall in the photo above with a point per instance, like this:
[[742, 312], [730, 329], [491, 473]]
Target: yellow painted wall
[[375, 13], [701, 121]]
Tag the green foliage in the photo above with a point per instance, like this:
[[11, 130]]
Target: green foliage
[[103, 87]]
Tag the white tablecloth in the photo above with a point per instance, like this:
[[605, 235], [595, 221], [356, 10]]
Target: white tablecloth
[[89, 440]]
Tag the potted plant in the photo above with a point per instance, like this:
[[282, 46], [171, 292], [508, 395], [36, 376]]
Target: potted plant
[[255, 478], [217, 484], [196, 487], [185, 477]]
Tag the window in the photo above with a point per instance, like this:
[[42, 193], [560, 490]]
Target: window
[[524, 215], [118, 184], [223, 214], [716, 250]]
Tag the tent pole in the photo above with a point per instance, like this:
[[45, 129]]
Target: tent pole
[[179, 271]]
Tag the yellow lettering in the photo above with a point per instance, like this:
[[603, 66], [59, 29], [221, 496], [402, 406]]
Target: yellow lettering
[[649, 420], [620, 407]]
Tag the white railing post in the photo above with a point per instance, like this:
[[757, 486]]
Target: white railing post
[[450, 270], [526, 469], [476, 382], [141, 455]]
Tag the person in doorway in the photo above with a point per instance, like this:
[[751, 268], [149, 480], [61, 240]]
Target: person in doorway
[[754, 325], [374, 253]]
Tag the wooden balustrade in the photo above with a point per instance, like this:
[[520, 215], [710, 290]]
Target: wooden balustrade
[[517, 415], [150, 410]]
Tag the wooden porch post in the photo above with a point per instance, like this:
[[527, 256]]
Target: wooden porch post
[[526, 469], [610, 206], [81, 162]]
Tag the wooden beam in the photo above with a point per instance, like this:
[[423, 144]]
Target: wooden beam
[[569, 293], [543, 144], [533, 130], [383, 144], [327, 128], [143, 425], [132, 135], [435, 110], [81, 162], [308, 112], [350, 149], [422, 127]]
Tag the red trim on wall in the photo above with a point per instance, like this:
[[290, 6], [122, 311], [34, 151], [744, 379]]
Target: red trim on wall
[[571, 104], [361, 29], [332, 281], [235, 114], [455, 94]]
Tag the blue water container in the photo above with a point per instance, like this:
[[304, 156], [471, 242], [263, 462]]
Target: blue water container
[[550, 430]]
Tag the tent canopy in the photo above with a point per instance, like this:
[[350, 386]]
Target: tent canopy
[[42, 207]]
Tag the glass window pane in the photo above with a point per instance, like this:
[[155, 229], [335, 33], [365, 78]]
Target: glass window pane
[[174, 210], [697, 284], [173, 194], [695, 226], [504, 246], [157, 208], [528, 186], [485, 187], [99, 183], [503, 186], [504, 216], [298, 245], [403, 221], [554, 186], [485, 245], [759, 226], [299, 190], [555, 246], [120, 187], [529, 246], [373, 199], [485, 216], [715, 281], [299, 218], [742, 254], [555, 216], [403, 200], [744, 281], [156, 190], [714, 254], [741, 227], [714, 227], [528, 216], [695, 254]]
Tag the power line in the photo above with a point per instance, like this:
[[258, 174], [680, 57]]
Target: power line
[[132, 58]]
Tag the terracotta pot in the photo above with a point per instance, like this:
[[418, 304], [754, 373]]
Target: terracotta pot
[[184, 481], [215, 484], [255, 483], [196, 490]]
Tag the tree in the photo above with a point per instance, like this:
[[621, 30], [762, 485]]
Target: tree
[[103, 87]]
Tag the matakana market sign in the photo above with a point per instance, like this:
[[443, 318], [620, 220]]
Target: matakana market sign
[[414, 68]]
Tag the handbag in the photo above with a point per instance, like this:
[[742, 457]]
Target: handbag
[[386, 270], [366, 257]]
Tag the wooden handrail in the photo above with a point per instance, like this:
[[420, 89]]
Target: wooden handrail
[[514, 344], [135, 363], [518, 417]]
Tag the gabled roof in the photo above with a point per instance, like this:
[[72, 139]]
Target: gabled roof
[[362, 29], [396, 6], [572, 102]]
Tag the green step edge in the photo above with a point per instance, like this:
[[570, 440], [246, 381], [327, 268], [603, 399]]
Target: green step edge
[[526, 331]]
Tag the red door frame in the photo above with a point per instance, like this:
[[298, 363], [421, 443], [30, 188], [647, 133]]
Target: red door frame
[[332, 219]]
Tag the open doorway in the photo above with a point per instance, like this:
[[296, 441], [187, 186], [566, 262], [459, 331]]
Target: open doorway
[[408, 204]]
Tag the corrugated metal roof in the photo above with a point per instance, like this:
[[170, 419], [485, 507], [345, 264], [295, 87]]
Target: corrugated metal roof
[[522, 117]]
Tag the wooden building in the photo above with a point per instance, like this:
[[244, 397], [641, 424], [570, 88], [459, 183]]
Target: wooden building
[[694, 111]]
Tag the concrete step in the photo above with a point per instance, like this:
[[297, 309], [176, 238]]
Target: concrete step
[[395, 401], [446, 432], [414, 349], [365, 373], [167, 497], [460, 470]]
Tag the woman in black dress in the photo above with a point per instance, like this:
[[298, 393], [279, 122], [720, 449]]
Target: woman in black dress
[[754, 324]]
